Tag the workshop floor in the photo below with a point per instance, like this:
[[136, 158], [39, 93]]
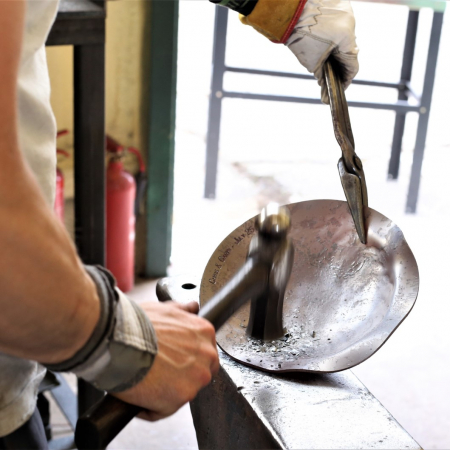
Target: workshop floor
[[287, 153]]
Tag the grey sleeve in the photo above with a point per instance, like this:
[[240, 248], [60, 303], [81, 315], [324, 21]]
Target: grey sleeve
[[123, 345]]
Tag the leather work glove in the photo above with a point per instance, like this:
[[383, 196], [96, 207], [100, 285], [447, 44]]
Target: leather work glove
[[326, 27], [313, 30]]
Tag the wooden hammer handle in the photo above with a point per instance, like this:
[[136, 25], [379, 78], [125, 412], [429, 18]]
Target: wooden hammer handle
[[103, 422]]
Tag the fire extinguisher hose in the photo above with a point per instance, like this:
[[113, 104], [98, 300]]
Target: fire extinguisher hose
[[113, 146], [141, 180]]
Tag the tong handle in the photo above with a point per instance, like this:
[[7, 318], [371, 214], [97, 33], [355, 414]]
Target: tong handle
[[339, 111]]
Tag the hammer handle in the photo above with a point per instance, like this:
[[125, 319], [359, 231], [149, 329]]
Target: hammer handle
[[106, 419], [103, 422]]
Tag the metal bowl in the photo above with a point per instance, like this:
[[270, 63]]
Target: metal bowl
[[343, 301]]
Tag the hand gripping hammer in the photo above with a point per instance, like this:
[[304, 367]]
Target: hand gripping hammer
[[262, 279]]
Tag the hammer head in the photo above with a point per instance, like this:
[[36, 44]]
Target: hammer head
[[271, 246]]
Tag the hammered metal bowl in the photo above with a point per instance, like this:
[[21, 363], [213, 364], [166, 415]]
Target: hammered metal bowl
[[343, 301]]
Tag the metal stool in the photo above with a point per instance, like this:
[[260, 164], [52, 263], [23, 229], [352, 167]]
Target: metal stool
[[401, 107]]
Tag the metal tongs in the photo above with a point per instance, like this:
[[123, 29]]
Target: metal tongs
[[349, 165]]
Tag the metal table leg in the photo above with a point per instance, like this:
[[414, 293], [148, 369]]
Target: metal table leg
[[408, 57], [427, 93], [215, 101], [89, 168]]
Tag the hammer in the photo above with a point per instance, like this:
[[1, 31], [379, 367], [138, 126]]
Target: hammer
[[263, 279]]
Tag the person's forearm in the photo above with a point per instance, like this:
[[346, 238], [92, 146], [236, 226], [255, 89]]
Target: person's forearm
[[49, 305]]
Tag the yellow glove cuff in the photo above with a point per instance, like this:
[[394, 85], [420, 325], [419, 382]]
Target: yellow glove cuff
[[275, 19]]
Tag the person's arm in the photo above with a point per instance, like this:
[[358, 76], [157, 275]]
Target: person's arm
[[51, 307]]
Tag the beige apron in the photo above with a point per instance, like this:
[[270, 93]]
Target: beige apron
[[19, 378]]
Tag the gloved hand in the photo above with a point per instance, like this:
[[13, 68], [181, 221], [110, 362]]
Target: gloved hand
[[326, 27], [312, 30]]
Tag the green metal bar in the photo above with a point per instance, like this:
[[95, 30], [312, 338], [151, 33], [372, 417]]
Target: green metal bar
[[162, 92], [436, 5]]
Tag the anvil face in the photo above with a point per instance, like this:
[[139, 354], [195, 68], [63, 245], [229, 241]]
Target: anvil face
[[343, 301]]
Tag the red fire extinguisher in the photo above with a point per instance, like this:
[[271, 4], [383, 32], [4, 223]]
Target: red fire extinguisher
[[123, 195], [59, 194]]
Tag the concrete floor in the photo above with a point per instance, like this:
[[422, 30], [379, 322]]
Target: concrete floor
[[287, 153]]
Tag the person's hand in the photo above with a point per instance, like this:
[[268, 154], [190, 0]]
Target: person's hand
[[185, 363], [326, 27]]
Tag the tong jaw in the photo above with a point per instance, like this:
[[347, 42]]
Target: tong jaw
[[352, 189], [349, 165]]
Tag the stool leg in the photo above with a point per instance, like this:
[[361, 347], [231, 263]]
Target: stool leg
[[427, 93], [215, 101], [407, 63]]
